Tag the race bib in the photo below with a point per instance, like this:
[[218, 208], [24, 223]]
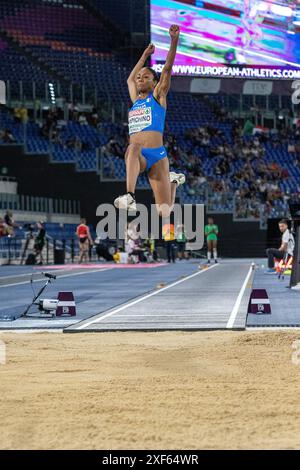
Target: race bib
[[139, 119]]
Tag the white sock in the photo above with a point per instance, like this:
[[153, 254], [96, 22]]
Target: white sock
[[215, 254], [208, 255]]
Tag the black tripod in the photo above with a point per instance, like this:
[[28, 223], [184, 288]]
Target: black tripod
[[48, 281]]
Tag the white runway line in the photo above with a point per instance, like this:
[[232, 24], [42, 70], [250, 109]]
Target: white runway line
[[134, 302], [33, 330], [271, 328], [16, 275], [236, 306], [58, 277], [171, 315]]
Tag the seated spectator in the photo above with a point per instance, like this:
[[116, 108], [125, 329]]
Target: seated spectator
[[286, 247], [17, 115], [82, 120], [95, 118], [7, 137], [291, 149], [9, 222], [112, 148]]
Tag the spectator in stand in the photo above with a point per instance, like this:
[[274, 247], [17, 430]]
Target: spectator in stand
[[78, 144], [73, 111], [55, 137], [21, 114], [82, 120], [7, 137], [9, 222], [112, 148], [94, 118], [238, 165], [17, 115]]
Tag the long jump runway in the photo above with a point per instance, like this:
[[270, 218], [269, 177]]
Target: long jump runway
[[212, 298]]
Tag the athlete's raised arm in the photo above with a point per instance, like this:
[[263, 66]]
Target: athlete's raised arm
[[131, 81], [163, 85]]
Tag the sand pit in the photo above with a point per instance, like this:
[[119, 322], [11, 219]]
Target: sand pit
[[171, 390]]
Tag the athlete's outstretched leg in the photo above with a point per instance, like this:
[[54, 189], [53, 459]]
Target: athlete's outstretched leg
[[135, 164], [164, 185], [164, 191]]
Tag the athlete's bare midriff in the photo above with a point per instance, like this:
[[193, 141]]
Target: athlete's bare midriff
[[147, 139]]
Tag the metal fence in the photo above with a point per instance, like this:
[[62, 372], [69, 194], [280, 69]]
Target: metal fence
[[17, 251], [20, 202], [37, 95]]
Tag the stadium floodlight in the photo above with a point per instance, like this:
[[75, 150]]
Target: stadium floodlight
[[52, 92]]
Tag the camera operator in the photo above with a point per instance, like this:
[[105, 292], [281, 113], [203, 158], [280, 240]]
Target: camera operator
[[39, 242]]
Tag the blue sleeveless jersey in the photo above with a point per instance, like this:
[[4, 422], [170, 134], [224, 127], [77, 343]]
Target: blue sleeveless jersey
[[146, 115]]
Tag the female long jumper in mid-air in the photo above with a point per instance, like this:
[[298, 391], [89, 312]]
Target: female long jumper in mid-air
[[146, 125]]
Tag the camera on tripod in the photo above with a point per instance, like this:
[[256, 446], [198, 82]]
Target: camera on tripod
[[47, 305], [63, 305]]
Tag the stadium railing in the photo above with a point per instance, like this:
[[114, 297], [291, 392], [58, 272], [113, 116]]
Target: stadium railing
[[16, 250], [33, 204]]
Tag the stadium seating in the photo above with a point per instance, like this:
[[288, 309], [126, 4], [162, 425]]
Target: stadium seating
[[15, 67], [54, 33], [86, 160], [120, 13], [58, 24]]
